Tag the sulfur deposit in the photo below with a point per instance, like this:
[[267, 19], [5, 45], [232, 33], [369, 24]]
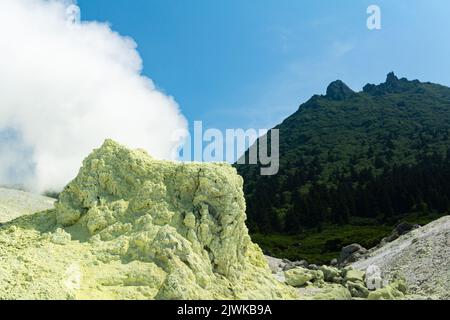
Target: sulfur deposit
[[131, 227]]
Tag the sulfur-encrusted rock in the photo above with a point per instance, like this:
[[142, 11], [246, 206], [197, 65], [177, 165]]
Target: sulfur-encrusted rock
[[394, 291], [357, 289], [60, 237], [325, 291], [331, 274], [354, 275], [131, 227], [299, 276]]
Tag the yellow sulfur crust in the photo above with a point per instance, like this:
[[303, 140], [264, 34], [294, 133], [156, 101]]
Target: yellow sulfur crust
[[131, 227]]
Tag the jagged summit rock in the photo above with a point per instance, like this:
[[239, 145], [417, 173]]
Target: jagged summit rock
[[391, 78], [392, 85], [131, 227], [338, 90]]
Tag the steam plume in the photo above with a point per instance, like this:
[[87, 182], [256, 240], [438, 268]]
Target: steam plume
[[65, 86]]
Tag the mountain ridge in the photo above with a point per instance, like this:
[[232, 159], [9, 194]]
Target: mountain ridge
[[377, 155]]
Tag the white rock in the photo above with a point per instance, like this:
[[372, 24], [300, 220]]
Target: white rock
[[374, 282], [374, 279]]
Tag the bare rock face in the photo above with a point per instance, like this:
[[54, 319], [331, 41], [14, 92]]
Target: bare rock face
[[130, 227]]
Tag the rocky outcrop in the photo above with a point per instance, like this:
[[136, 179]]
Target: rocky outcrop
[[339, 91], [356, 252], [131, 227], [351, 253], [400, 230]]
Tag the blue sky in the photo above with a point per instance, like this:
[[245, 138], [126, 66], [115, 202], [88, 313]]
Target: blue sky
[[251, 63]]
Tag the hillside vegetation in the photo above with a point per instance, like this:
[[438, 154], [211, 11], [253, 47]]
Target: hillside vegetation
[[369, 158]]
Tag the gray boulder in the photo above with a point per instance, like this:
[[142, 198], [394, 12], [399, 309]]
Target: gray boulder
[[400, 230], [288, 265], [351, 253]]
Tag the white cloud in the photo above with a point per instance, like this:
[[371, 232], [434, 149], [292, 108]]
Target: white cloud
[[66, 87], [340, 48]]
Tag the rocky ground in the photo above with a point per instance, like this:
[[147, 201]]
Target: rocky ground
[[421, 257], [333, 283], [15, 203], [412, 263]]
